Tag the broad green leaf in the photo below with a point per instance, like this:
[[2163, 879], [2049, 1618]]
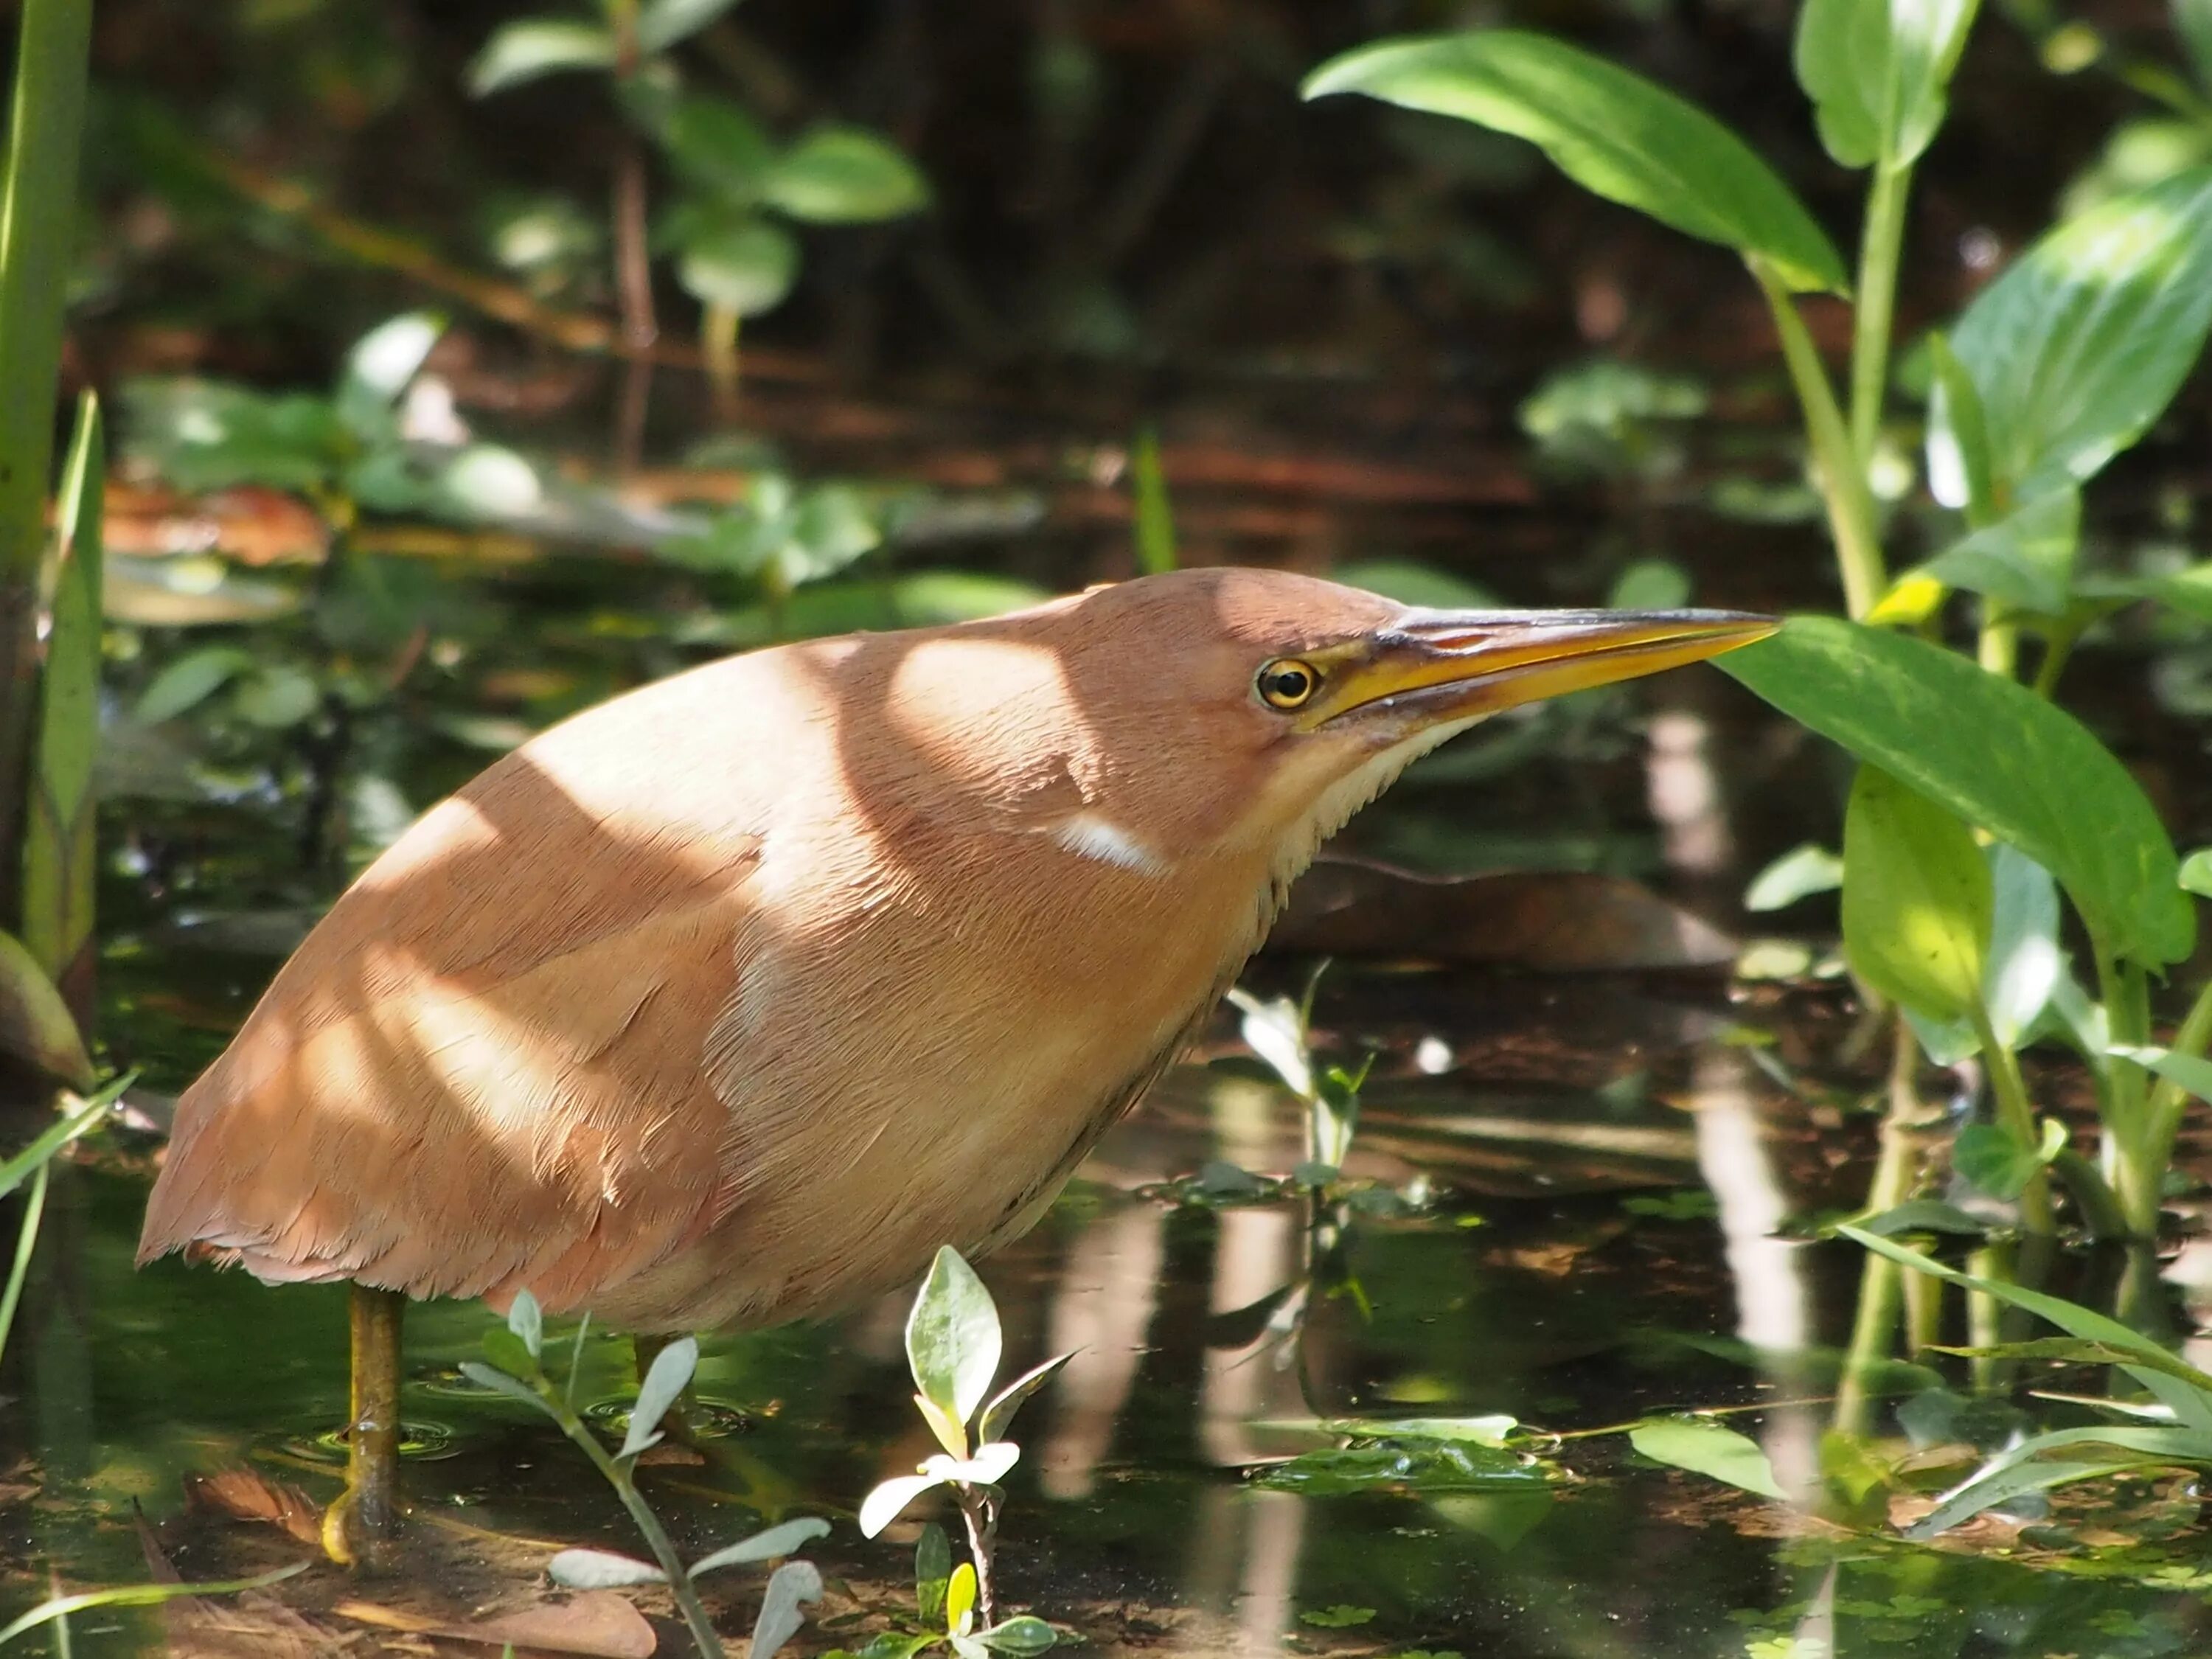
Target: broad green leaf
[[1992, 751], [932, 1572], [530, 48], [997, 1415], [2078, 346], [35, 1023], [1925, 1215], [278, 697], [764, 1546], [881, 1507], [1411, 583], [2191, 1405], [2196, 873], [1705, 1447], [2190, 1072], [1959, 437], [1995, 1162], [662, 23], [1651, 585], [717, 146], [1798, 873], [790, 1585], [668, 1376], [2025, 559], [601, 1570], [1916, 899], [952, 1337], [1024, 1636], [1877, 72], [510, 1353], [2026, 963], [838, 175], [1611, 130], [747, 266]]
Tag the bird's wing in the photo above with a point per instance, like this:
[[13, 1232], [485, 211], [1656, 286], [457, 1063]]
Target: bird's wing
[[482, 1071]]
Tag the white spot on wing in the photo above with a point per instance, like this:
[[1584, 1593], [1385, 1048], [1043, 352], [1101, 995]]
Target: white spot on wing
[[1090, 837]]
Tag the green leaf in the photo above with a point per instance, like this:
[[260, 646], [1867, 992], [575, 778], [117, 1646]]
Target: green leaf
[[668, 1376], [1798, 873], [35, 1023], [2189, 1072], [1959, 437], [1877, 72], [2192, 21], [2151, 1365], [2196, 875], [1022, 1636], [1995, 1161], [952, 1341], [839, 175], [1342, 1616], [50, 1141], [662, 23], [1916, 899], [278, 697], [932, 1572], [747, 266], [1982, 1492], [504, 1349], [381, 365], [960, 1598], [527, 1321], [1992, 751], [1613, 132], [2078, 346], [881, 1506], [530, 48], [997, 1415], [2025, 559], [1925, 1215], [717, 146], [500, 1381], [1705, 1447], [1154, 523], [764, 1546]]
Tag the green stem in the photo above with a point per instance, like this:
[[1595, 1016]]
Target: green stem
[[2169, 1101], [1880, 252], [1998, 648], [2093, 1196], [2129, 1159], [2057, 651], [688, 1603], [1881, 1280], [1842, 482], [34, 1208], [2017, 1115], [38, 238]]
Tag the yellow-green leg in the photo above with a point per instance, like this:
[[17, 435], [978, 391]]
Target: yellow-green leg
[[368, 1512]]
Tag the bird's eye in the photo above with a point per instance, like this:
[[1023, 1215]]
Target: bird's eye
[[1288, 683]]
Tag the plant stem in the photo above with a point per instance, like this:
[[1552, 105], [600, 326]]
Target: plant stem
[[2129, 1163], [34, 1208], [2169, 1101], [633, 255], [2017, 1115], [717, 344], [981, 1513], [649, 1525], [37, 221], [1843, 482], [1879, 250], [1880, 1279]]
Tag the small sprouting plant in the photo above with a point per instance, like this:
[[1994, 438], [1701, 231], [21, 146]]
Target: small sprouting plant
[[952, 1348], [516, 1352], [1278, 1030], [945, 1615]]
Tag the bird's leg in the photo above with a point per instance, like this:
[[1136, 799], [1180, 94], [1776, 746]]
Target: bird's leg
[[368, 1511]]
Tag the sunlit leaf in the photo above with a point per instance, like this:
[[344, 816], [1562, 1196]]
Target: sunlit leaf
[[380, 367], [1959, 443], [2026, 963], [881, 1506], [669, 1375], [2190, 1072], [999, 1413], [1916, 899], [1877, 72], [527, 1321], [1611, 130], [1995, 1161], [2081, 344], [2196, 873], [1705, 1447], [1991, 750], [1021, 1636], [600, 1569], [49, 1142], [532, 47], [844, 175], [1273, 1028], [960, 1598], [660, 24], [788, 1586], [764, 1546], [35, 1023], [510, 1353], [2016, 1480], [1798, 873], [952, 1341]]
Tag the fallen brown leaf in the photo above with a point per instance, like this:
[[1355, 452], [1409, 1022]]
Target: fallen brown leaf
[[593, 1622], [247, 1495]]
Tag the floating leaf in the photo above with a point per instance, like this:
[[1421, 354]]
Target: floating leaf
[[1611, 130], [1705, 1447], [1916, 899], [952, 1342], [1992, 751]]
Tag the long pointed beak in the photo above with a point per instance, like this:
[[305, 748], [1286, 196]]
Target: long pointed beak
[[1437, 666]]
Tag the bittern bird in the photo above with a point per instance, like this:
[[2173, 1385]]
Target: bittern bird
[[733, 999]]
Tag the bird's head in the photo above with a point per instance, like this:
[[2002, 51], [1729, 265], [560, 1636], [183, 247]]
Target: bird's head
[[1230, 710]]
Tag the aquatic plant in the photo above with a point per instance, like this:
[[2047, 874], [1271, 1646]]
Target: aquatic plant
[[515, 1355], [2059, 365], [953, 1349]]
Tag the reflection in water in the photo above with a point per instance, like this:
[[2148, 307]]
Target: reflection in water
[[1101, 1313]]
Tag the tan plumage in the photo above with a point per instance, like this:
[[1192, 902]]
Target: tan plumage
[[733, 998]]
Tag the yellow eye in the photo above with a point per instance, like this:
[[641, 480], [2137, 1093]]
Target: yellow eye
[[1286, 683]]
